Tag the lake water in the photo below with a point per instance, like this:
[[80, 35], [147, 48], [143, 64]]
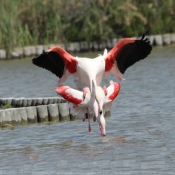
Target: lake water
[[140, 131]]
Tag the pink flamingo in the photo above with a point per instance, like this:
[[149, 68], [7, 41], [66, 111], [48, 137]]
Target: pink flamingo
[[124, 54], [81, 104]]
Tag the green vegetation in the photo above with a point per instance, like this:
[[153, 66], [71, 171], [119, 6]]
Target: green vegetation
[[7, 106], [33, 22]]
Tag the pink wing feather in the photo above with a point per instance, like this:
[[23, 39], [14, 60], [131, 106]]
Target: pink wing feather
[[71, 95], [113, 90]]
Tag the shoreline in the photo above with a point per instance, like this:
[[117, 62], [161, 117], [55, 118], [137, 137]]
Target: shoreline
[[80, 47]]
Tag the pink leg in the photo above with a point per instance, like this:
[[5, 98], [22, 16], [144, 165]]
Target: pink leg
[[105, 90], [85, 116], [84, 93], [89, 126]]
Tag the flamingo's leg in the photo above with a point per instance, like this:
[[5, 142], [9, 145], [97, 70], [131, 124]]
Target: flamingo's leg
[[85, 116], [105, 90], [89, 126], [84, 93]]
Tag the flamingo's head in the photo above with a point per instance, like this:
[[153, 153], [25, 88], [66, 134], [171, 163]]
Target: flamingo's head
[[102, 124]]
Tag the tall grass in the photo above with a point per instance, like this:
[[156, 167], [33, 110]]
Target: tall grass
[[7, 24], [53, 21]]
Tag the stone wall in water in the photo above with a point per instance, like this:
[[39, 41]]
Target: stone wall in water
[[76, 47], [24, 111]]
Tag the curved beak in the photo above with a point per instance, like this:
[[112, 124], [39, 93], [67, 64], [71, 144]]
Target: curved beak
[[102, 125], [102, 129]]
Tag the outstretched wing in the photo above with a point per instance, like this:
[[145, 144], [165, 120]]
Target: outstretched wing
[[127, 52], [71, 95], [112, 91], [56, 60]]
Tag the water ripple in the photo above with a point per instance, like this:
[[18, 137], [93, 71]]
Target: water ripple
[[140, 132]]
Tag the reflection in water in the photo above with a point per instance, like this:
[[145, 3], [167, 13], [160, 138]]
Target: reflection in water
[[140, 133]]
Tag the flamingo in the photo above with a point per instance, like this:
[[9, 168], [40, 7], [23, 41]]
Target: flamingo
[[125, 53], [80, 104]]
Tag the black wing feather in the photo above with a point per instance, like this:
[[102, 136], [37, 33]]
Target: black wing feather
[[51, 61], [132, 53]]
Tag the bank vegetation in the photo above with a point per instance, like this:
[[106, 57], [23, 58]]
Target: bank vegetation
[[55, 21]]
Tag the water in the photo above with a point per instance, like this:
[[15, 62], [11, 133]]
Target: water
[[140, 133]]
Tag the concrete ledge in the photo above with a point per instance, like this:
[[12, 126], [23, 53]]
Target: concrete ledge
[[63, 112], [24, 111], [42, 113], [39, 49], [172, 36], [27, 51], [166, 39], [45, 101], [39, 101], [2, 54], [26, 102], [4, 101], [16, 117], [29, 101], [30, 114], [151, 39], [158, 40], [83, 46], [6, 116], [53, 112]]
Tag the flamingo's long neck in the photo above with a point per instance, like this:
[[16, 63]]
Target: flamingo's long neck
[[94, 94]]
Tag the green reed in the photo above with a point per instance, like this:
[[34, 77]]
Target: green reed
[[34, 22]]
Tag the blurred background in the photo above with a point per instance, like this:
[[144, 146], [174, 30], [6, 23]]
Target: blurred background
[[35, 22]]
